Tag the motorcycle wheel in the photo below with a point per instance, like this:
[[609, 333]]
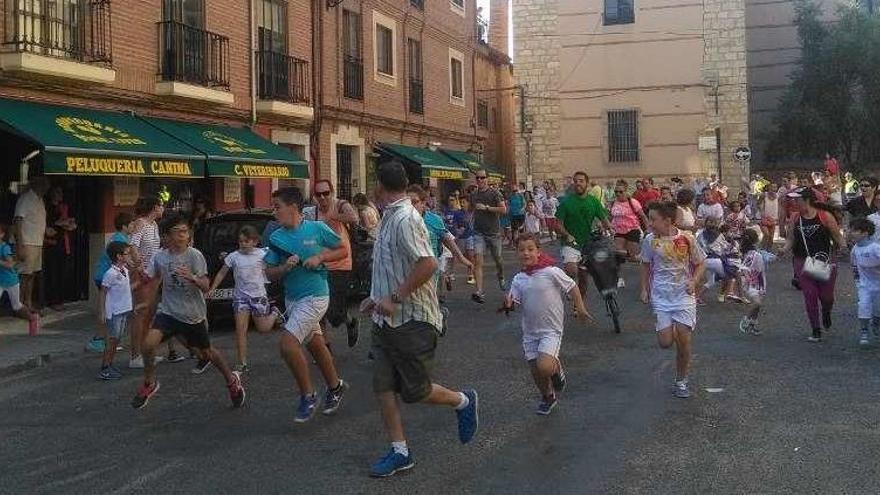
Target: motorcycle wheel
[[613, 311]]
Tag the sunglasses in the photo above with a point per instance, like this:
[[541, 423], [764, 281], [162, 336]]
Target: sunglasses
[[481, 178], [322, 194], [864, 185]]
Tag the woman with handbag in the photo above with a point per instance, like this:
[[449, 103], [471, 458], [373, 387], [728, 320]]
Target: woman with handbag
[[627, 220], [810, 233]]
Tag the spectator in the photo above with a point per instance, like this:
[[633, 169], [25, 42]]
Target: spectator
[[368, 215], [831, 165], [645, 194], [58, 250], [30, 230]]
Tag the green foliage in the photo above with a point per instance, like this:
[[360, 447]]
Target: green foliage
[[833, 103]]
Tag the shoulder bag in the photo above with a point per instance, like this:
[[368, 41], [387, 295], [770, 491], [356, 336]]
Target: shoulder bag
[[816, 266]]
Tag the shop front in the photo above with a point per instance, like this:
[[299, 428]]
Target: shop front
[[473, 164], [429, 167]]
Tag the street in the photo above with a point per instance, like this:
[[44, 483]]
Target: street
[[780, 415]]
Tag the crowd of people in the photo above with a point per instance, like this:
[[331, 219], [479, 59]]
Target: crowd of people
[[687, 238]]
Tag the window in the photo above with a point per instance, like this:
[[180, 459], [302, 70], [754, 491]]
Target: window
[[416, 84], [419, 4], [493, 123], [619, 12], [456, 77], [272, 26], [189, 12], [384, 50], [482, 113], [457, 6], [352, 63], [623, 136]]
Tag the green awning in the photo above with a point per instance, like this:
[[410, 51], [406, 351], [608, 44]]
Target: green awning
[[436, 164], [236, 151], [472, 163], [77, 141]]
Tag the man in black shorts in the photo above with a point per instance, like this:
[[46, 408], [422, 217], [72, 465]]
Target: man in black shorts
[[182, 313]]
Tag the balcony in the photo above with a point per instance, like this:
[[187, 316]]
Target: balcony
[[283, 85], [59, 38], [416, 96], [353, 77], [193, 63]]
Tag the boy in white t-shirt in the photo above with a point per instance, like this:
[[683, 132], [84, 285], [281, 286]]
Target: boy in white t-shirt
[[672, 263], [865, 259], [114, 304], [249, 298], [539, 289]]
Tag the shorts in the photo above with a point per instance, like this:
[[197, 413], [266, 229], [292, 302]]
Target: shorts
[[404, 359], [768, 222], [570, 254], [869, 303], [491, 242], [256, 306], [541, 343], [466, 244], [516, 222], [194, 334], [304, 317], [685, 316], [634, 235], [116, 325], [340, 285], [33, 262], [443, 264], [14, 293], [551, 223]]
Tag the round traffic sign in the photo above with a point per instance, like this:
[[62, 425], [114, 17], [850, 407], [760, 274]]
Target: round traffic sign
[[742, 153]]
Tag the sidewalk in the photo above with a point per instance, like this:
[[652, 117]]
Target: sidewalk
[[62, 334]]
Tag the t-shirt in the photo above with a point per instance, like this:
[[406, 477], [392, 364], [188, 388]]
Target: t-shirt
[[541, 297], [249, 271], [516, 205], [625, 216], [598, 193], [104, 263], [714, 210], [8, 276], [646, 196], [671, 258], [436, 231], [577, 214], [181, 299], [147, 241], [32, 211], [753, 272], [865, 256], [486, 222], [859, 208], [118, 285], [313, 213], [550, 205], [305, 241], [532, 223], [686, 217]]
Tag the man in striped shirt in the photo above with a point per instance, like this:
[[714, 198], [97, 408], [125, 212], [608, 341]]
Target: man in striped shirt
[[407, 318]]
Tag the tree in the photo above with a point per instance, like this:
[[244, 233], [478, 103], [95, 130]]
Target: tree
[[833, 102]]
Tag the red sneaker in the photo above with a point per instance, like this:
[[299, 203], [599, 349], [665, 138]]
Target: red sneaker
[[236, 390], [144, 394]]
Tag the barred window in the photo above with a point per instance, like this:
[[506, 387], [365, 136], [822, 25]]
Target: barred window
[[482, 113], [623, 136], [619, 12], [384, 50]]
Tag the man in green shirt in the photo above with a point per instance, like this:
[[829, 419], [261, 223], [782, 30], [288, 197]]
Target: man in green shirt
[[576, 213]]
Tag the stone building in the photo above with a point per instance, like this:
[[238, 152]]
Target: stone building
[[627, 89]]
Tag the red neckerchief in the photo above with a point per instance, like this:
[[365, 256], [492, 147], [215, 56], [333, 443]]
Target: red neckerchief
[[544, 260]]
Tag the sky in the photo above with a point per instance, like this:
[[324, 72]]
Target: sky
[[485, 5]]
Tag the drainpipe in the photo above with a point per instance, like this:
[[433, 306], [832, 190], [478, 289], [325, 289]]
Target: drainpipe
[[252, 58]]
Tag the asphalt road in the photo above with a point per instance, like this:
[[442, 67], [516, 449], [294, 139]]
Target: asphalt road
[[786, 417]]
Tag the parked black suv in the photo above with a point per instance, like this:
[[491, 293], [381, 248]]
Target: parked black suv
[[217, 237]]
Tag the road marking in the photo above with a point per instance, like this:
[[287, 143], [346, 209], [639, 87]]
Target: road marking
[[139, 482], [73, 479]]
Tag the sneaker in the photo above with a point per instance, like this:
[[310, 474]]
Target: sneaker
[[720, 297], [471, 280], [816, 337], [452, 277], [158, 359], [201, 366], [109, 373], [621, 283], [744, 324], [448, 284], [306, 409], [502, 284], [144, 394], [468, 418], [444, 313], [242, 368], [352, 327], [863, 337], [333, 398], [558, 379], [390, 464], [174, 357], [826, 319], [546, 405], [478, 297], [796, 284], [236, 390], [136, 362], [681, 389], [96, 344], [753, 329]]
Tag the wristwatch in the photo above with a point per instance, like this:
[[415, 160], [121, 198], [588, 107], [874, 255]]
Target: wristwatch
[[395, 298]]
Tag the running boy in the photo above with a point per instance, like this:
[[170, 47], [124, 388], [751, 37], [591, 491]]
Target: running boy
[[539, 289], [9, 282], [865, 258], [114, 304], [752, 280], [124, 223], [183, 274], [249, 299], [672, 264]]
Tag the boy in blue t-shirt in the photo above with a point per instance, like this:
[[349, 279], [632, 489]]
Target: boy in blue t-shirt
[[297, 252], [9, 282], [124, 224]]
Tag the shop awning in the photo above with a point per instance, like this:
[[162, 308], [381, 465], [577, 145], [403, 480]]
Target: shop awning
[[433, 163], [236, 151], [472, 163], [77, 141]]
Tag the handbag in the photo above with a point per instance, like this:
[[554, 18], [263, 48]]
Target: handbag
[[816, 266]]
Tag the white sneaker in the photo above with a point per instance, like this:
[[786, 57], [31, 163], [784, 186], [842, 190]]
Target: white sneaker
[[621, 283], [681, 389], [136, 362], [863, 337], [158, 359]]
